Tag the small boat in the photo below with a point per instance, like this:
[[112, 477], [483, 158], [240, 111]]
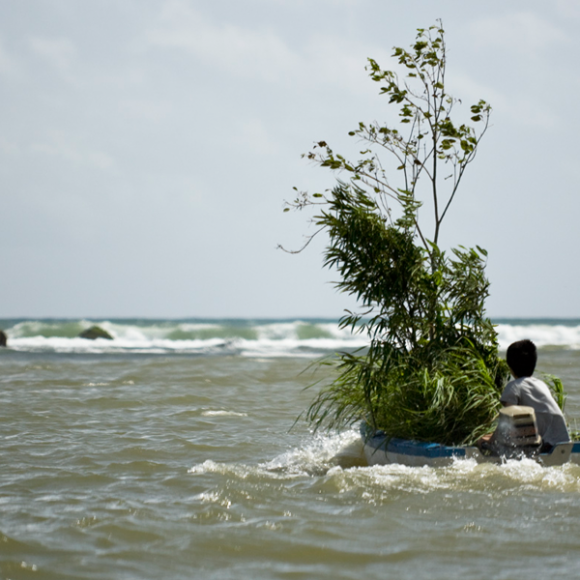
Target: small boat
[[380, 449]]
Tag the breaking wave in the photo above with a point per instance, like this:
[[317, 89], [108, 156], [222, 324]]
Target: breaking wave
[[242, 337], [271, 338]]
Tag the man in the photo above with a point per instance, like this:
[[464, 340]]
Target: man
[[532, 392]]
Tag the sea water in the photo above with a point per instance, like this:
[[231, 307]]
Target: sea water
[[172, 452]]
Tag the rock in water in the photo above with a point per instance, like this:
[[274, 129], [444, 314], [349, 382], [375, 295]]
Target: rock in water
[[95, 332], [3, 338]]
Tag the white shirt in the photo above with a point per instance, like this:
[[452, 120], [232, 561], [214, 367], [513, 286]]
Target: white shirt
[[533, 392]]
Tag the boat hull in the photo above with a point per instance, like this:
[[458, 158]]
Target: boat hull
[[379, 449]]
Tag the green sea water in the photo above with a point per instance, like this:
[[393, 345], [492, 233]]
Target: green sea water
[[179, 465]]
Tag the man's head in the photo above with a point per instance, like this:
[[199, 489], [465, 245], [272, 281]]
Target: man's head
[[521, 358]]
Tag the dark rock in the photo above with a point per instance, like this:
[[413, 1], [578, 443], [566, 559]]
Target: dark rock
[[3, 338], [95, 332]]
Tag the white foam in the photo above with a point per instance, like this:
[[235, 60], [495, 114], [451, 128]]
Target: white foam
[[275, 339], [324, 456], [223, 414], [320, 454], [541, 334]]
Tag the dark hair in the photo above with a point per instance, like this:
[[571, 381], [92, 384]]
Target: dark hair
[[522, 357]]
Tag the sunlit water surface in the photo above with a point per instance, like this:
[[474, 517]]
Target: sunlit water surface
[[175, 466]]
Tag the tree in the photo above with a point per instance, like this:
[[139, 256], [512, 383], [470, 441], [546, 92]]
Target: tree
[[432, 370]]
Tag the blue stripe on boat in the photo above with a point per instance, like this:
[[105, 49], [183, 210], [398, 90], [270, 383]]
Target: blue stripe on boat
[[381, 442], [407, 447]]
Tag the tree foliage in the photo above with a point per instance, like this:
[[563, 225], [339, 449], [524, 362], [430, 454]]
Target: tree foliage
[[431, 370]]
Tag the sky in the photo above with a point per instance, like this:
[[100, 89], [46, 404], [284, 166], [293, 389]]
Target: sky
[[148, 146]]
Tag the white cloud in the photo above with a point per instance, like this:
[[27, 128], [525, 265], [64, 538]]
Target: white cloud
[[334, 62], [252, 135], [59, 53], [232, 48], [9, 147], [64, 148], [7, 63], [471, 91], [533, 113], [568, 8], [521, 32], [523, 109], [147, 110], [262, 53]]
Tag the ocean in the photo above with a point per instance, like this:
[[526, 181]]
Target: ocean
[[174, 451]]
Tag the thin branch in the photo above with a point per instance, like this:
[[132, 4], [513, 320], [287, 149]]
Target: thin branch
[[310, 238]]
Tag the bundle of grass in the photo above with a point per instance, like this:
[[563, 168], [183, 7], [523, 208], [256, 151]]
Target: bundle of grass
[[454, 402], [432, 370]]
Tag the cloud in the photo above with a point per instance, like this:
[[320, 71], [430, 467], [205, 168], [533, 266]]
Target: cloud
[[239, 51], [523, 109], [568, 8], [7, 63], [59, 53], [9, 147], [533, 113], [64, 148], [147, 110], [471, 91], [262, 54], [524, 72], [521, 32], [252, 135]]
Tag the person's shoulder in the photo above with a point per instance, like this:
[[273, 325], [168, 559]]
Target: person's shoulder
[[534, 382], [514, 384], [510, 393], [537, 388]]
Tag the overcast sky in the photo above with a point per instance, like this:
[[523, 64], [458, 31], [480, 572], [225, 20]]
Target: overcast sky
[[147, 147]]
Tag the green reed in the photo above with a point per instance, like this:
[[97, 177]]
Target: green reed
[[556, 388], [455, 401]]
